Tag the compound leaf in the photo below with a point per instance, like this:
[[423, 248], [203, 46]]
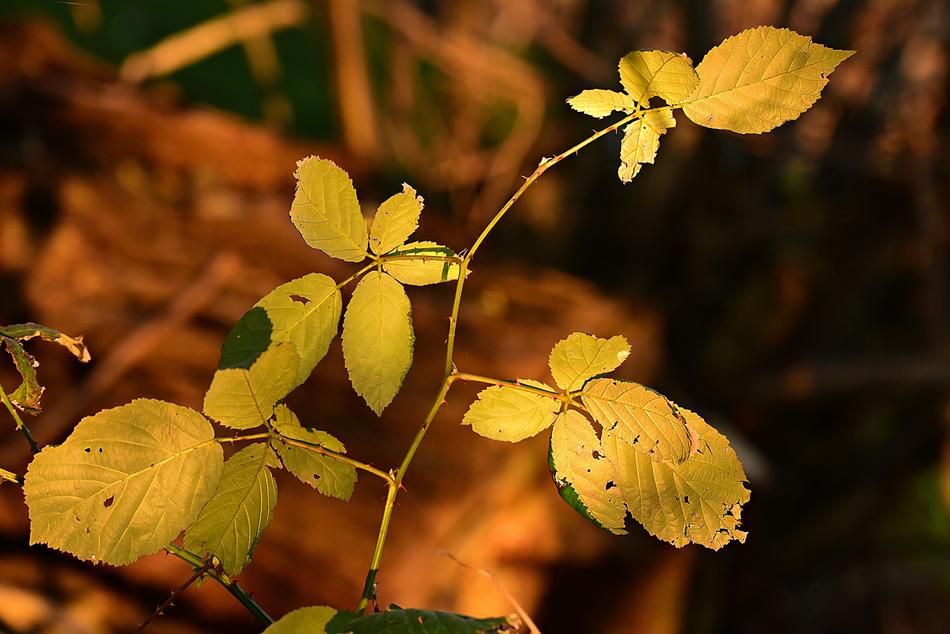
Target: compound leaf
[[646, 74], [378, 339], [699, 500], [578, 461], [242, 398], [232, 522], [422, 272], [125, 483], [326, 475], [641, 140], [396, 620], [637, 415], [326, 211], [509, 414], [396, 219], [600, 103], [312, 620], [581, 357], [759, 79], [27, 395]]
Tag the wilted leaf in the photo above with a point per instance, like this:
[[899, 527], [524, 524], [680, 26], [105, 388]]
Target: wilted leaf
[[399, 621], [328, 476], [243, 398], [600, 103], [759, 79], [422, 272], [641, 140], [25, 332], [27, 395], [312, 620], [326, 211], [125, 483], [646, 74], [580, 357], [648, 421], [395, 220], [510, 414], [378, 339]]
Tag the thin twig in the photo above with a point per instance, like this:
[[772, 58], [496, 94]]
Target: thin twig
[[177, 592], [19, 421]]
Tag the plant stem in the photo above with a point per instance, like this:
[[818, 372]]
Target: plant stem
[[475, 378], [9, 476], [19, 421], [229, 584], [450, 374]]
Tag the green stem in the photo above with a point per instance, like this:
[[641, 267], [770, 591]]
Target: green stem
[[19, 421], [229, 584], [9, 476]]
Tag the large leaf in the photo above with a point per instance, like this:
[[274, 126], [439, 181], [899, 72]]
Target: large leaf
[[641, 141], [326, 211], [759, 79], [646, 74], [637, 415], [395, 220], [509, 414], [312, 620], [27, 395], [231, 524], [600, 103], [242, 398], [396, 620], [125, 483], [579, 461], [699, 500], [580, 357], [328, 476], [422, 271], [378, 339]]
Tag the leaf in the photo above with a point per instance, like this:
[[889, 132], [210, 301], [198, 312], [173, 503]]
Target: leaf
[[395, 220], [409, 621], [27, 331], [326, 475], [759, 79], [510, 414], [699, 500], [537, 384], [243, 398], [422, 272], [578, 461], [646, 74], [600, 103], [231, 524], [639, 416], [312, 620], [641, 140], [125, 483], [304, 312], [326, 211], [27, 395], [580, 357], [377, 339]]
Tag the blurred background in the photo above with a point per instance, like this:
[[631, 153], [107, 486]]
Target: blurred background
[[792, 287]]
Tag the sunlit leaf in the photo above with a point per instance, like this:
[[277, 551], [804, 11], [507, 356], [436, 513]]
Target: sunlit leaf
[[646, 74], [409, 621], [27, 395], [312, 620], [509, 414], [580, 357], [232, 522], [328, 476], [125, 483], [759, 79], [600, 103], [641, 140], [326, 211], [395, 220], [423, 271], [243, 398]]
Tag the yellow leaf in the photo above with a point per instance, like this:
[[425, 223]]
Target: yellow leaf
[[326, 475], [646, 74], [242, 398], [396, 219], [641, 140], [421, 272], [600, 103], [326, 211], [580, 357], [759, 79], [509, 414]]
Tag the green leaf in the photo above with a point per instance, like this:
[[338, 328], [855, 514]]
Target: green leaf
[[27, 395], [580, 357], [27, 331], [759, 79], [646, 74], [231, 524], [312, 620], [699, 500], [600, 103], [243, 398], [326, 475], [509, 414], [409, 621], [641, 140], [637, 415], [125, 483], [422, 272], [578, 461], [378, 339], [395, 220], [326, 211]]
